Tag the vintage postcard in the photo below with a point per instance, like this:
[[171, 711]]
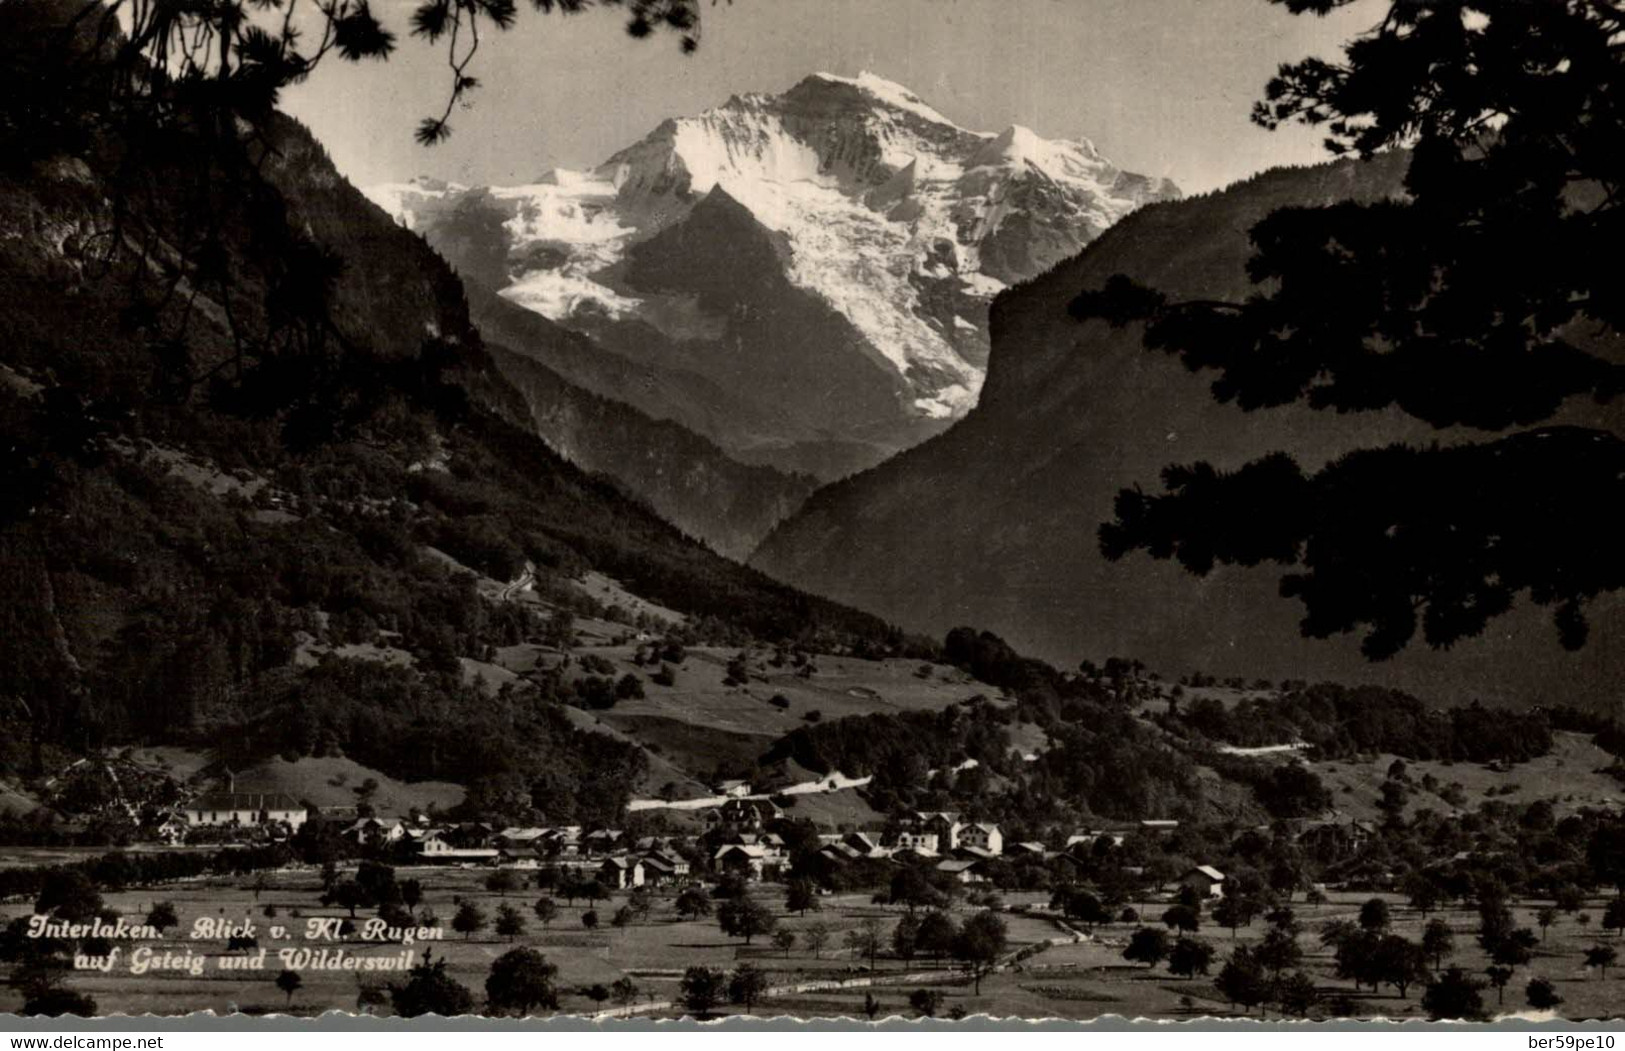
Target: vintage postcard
[[819, 509]]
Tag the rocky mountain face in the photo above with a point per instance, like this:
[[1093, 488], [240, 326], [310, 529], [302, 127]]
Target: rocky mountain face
[[819, 261], [683, 476], [994, 523]]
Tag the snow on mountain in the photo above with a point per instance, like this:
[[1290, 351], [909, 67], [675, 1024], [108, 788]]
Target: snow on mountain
[[903, 222]]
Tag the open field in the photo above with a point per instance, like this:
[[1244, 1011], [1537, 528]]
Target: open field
[[331, 781], [1073, 979], [1569, 777], [842, 686]]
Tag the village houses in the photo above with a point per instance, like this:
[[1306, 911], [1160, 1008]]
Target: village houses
[[244, 808]]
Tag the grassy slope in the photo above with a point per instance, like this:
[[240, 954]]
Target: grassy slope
[[331, 781], [1568, 776]]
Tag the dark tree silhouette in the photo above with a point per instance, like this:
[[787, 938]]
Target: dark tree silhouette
[[1474, 303], [522, 981], [1454, 996]]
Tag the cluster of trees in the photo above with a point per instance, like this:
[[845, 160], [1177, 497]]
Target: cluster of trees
[[118, 870], [1343, 721]]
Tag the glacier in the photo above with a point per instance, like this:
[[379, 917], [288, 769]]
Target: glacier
[[903, 222]]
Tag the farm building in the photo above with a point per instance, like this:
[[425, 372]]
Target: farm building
[[244, 808], [1205, 880]]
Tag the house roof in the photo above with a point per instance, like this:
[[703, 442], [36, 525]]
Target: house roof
[[1210, 872], [751, 851], [522, 834], [245, 801], [623, 862], [954, 866]]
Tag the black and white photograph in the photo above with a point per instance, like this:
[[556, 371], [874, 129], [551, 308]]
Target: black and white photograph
[[957, 512]]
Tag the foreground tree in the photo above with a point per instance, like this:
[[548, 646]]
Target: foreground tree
[[430, 990], [980, 943], [502, 882], [865, 940], [1541, 994], [926, 1001], [1453, 996], [289, 982], [799, 897], [692, 904], [1242, 980], [510, 922], [521, 981], [747, 986], [1499, 976], [1148, 945], [816, 936], [1297, 994], [744, 917], [1190, 957], [1438, 941], [162, 916], [703, 989], [1473, 302], [1399, 962], [469, 919], [54, 1001]]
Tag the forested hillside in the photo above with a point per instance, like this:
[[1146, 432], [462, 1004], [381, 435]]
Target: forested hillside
[[203, 483]]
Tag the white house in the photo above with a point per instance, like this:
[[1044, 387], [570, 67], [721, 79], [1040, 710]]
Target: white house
[[983, 836], [917, 839], [244, 808], [752, 861], [665, 866], [944, 823], [621, 872], [376, 831]]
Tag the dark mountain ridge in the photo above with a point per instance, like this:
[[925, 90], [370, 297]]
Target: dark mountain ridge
[[994, 522]]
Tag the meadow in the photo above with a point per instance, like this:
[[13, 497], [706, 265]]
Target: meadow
[[1080, 975]]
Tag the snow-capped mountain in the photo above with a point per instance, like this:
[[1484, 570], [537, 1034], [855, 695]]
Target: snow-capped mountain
[[887, 229]]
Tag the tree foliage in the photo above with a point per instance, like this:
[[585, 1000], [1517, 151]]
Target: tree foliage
[[1475, 302], [521, 981]]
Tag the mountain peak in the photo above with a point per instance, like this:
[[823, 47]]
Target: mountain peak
[[878, 89]]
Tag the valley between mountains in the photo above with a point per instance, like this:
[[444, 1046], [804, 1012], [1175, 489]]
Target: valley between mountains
[[718, 524]]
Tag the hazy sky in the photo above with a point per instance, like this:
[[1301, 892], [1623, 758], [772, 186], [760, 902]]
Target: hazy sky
[[1163, 87]]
